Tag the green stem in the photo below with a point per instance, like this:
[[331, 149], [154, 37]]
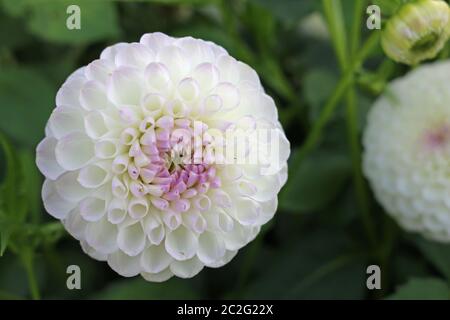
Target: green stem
[[335, 20], [358, 179], [341, 88], [27, 260], [333, 14], [357, 25]]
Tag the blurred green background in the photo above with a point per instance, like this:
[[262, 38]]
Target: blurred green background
[[315, 247]]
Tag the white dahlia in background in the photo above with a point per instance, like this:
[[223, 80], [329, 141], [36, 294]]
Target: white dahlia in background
[[120, 171], [407, 151]]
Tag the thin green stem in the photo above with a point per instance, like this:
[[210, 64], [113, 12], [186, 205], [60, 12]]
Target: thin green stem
[[358, 179], [27, 260], [316, 131], [335, 22], [355, 39], [334, 16]]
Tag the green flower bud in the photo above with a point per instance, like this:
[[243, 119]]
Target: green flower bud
[[418, 31]]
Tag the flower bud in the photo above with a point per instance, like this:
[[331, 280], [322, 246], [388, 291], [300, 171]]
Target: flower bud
[[418, 31]]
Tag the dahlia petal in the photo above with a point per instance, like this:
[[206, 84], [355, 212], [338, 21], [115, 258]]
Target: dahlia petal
[[91, 252], [53, 202], [211, 247], [158, 277], [99, 70], [238, 237], [124, 264], [181, 243], [96, 125], [94, 176], [176, 61], [93, 208], [138, 208], [188, 89], [171, 219], [69, 188], [65, 120], [228, 68], [110, 52], [102, 236], [206, 75], [228, 256], [268, 186], [187, 268], [229, 94], [125, 86], [74, 151], [46, 158], [93, 96], [134, 55], [158, 77], [154, 229], [268, 209], [194, 221], [131, 239], [75, 224], [117, 211], [155, 259], [247, 211], [107, 148], [120, 164], [68, 95], [156, 40]]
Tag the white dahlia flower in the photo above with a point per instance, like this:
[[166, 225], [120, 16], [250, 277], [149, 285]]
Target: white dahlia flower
[[137, 163], [407, 151]]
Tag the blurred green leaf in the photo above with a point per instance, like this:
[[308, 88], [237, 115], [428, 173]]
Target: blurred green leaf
[[318, 266], [315, 182], [318, 84], [407, 265], [32, 183], [9, 194], [139, 289], [13, 278], [437, 253], [12, 32], [27, 100], [422, 289], [47, 19], [178, 2], [288, 11]]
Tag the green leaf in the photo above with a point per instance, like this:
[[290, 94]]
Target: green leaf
[[318, 85], [315, 182], [317, 266], [437, 253], [5, 235], [179, 2], [32, 183], [139, 289], [27, 100], [47, 19], [12, 32], [288, 11], [422, 289]]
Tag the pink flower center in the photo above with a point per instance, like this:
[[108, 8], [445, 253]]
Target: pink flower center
[[437, 138], [169, 163]]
